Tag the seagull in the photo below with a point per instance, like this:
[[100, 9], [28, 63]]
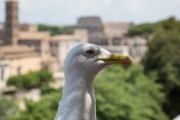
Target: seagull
[[82, 63]]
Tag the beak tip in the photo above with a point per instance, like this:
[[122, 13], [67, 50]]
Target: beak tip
[[128, 62]]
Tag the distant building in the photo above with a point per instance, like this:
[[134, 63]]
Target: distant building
[[37, 40], [11, 29], [17, 60], [15, 34], [29, 28], [95, 29], [114, 31], [81, 34], [22, 59], [61, 44], [137, 46], [112, 36]]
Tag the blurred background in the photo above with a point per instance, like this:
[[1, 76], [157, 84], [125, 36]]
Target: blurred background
[[35, 37]]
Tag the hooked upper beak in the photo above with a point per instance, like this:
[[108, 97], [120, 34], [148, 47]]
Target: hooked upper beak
[[118, 59]]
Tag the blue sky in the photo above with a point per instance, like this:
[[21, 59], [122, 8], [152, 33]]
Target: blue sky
[[66, 12]]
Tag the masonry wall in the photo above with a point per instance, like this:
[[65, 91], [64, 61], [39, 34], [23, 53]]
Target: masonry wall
[[24, 65]]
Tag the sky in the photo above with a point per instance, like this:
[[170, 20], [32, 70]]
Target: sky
[[66, 12]]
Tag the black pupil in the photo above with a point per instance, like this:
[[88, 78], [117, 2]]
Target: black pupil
[[90, 52]]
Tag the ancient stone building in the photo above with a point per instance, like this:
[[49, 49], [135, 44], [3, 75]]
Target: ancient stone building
[[37, 40], [24, 34], [81, 34], [95, 29], [22, 59], [28, 28], [114, 31], [61, 44], [17, 60], [10, 33], [137, 46], [23, 46]]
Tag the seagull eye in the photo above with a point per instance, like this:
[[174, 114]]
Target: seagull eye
[[90, 52]]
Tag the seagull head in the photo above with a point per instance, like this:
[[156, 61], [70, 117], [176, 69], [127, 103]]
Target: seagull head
[[90, 59]]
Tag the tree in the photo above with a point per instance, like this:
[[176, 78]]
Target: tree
[[144, 29], [8, 107], [141, 29], [45, 76], [54, 30], [47, 90], [163, 57], [127, 94], [30, 80], [121, 94], [44, 109]]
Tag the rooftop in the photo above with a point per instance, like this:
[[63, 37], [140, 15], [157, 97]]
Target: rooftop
[[33, 35], [64, 37], [118, 24], [89, 22], [22, 55], [15, 48], [17, 51]]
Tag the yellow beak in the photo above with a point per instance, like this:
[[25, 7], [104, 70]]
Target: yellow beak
[[118, 59]]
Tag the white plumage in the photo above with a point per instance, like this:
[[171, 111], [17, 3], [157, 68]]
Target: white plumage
[[81, 65]]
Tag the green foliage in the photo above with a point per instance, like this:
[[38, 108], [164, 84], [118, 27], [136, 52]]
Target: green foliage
[[163, 57], [45, 76], [14, 80], [30, 80], [56, 29], [144, 29], [46, 90], [44, 109], [127, 94], [121, 94], [7, 107]]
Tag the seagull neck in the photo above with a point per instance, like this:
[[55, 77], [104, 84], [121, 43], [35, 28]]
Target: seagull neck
[[75, 81], [79, 90]]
